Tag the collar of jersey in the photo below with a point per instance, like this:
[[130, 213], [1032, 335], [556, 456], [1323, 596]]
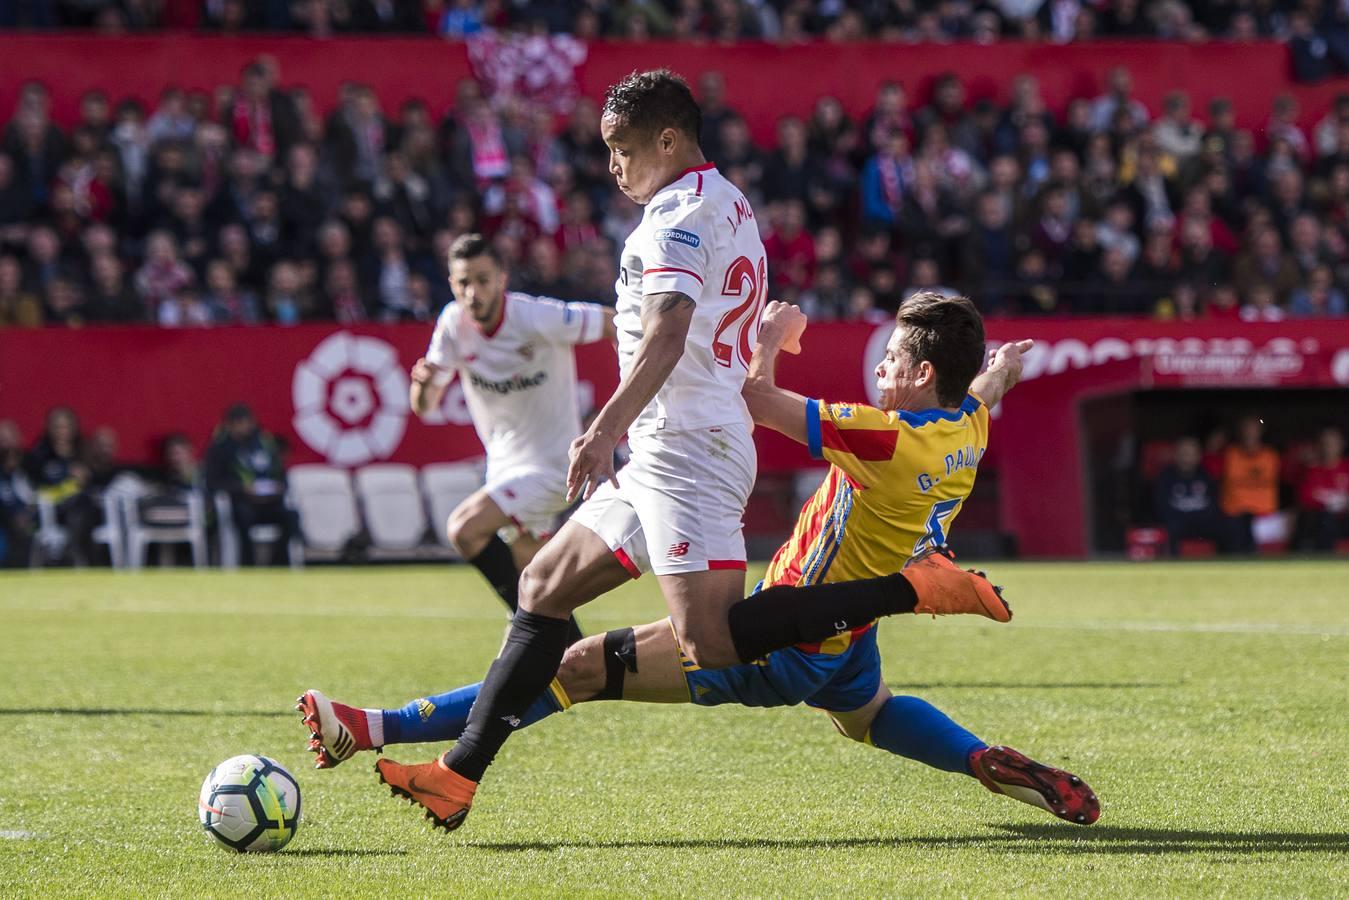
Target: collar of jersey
[[936, 414], [691, 169]]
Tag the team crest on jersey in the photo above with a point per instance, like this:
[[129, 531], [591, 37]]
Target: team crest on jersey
[[526, 350], [679, 235]]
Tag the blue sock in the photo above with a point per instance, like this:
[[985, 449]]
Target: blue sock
[[915, 728], [442, 717]]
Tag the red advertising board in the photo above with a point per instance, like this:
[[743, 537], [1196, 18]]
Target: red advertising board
[[340, 395]]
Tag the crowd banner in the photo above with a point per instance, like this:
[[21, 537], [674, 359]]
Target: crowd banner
[[339, 395], [763, 81]]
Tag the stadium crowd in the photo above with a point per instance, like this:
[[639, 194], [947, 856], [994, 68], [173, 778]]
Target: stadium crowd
[[245, 205], [1319, 31]]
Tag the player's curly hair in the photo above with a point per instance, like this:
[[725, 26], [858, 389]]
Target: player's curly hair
[[947, 332], [649, 102]]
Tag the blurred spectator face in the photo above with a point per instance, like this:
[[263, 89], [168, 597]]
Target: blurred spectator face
[[544, 259], [1288, 186], [220, 278], [178, 456], [1196, 236], [302, 163], [11, 274], [240, 424], [1243, 146], [341, 279], [1250, 432], [103, 445], [1242, 27], [792, 136], [1178, 106], [828, 114], [107, 272], [1003, 173], [1079, 115], [1056, 205], [949, 95], [712, 89], [1121, 82], [991, 213], [1115, 264], [1320, 281], [334, 240], [99, 239], [63, 296], [1260, 296], [94, 109], [1186, 298], [1331, 445], [1063, 167], [188, 204], [386, 235], [1223, 297], [890, 99], [264, 207], [478, 285], [924, 273], [62, 428], [1187, 455], [43, 246], [1305, 233], [356, 207], [160, 249], [793, 218], [285, 279], [828, 244], [860, 303], [10, 438], [234, 241]]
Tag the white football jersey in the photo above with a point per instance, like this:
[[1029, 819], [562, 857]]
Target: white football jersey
[[519, 380], [697, 236]]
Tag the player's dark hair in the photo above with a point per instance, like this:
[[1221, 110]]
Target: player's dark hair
[[649, 102], [947, 332], [471, 246]]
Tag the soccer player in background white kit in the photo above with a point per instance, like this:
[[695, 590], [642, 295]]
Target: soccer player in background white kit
[[512, 353]]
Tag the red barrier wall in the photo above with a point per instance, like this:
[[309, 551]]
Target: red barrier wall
[[340, 395], [764, 81]]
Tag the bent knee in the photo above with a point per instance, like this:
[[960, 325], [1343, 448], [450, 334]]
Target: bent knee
[[708, 648], [582, 670]]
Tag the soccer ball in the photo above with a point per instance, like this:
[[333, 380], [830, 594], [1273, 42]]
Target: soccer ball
[[250, 804]]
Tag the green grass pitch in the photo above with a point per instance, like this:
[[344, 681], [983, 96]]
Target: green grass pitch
[[1207, 704]]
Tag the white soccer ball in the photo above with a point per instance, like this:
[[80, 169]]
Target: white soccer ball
[[250, 804]]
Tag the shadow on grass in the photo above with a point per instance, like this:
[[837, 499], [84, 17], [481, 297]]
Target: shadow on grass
[[1018, 839], [336, 852], [133, 711], [1031, 685]]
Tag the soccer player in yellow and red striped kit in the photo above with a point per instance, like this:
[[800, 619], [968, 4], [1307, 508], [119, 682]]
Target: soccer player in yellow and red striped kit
[[898, 475]]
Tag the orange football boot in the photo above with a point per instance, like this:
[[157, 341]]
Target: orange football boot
[[945, 589], [443, 793]]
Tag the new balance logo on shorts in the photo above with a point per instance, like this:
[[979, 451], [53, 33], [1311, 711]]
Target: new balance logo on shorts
[[513, 721], [678, 551]]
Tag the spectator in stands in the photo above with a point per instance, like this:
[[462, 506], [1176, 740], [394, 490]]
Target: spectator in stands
[[18, 307], [1323, 496], [1319, 297], [244, 462], [1250, 482], [162, 278], [227, 302], [55, 467], [1261, 305], [111, 298], [18, 516]]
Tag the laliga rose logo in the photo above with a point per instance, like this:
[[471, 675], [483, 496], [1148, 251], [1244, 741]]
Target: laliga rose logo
[[350, 399]]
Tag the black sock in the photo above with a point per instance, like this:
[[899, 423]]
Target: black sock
[[497, 565], [782, 616], [519, 675]]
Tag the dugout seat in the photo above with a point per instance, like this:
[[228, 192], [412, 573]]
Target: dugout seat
[[445, 486], [52, 539], [326, 503], [392, 503], [166, 525]]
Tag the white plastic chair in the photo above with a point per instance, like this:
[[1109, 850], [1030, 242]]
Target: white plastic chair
[[327, 506], [258, 534], [141, 533], [445, 486], [53, 538], [392, 502]]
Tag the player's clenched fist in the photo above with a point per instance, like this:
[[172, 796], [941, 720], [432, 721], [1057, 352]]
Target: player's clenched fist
[[782, 324], [592, 462], [423, 371]]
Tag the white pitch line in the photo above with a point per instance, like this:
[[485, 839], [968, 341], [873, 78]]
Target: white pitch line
[[1277, 628], [20, 835]]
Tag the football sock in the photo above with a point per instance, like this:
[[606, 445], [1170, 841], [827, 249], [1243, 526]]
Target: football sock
[[497, 565], [911, 727], [515, 680], [442, 717], [782, 616]]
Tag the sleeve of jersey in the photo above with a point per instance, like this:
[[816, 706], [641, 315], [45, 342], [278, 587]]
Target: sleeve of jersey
[[442, 352], [677, 254], [568, 323], [860, 440]]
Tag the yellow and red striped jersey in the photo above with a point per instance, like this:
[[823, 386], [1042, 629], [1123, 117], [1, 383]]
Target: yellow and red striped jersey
[[896, 482]]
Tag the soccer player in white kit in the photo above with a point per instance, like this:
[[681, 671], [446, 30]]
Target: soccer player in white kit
[[512, 353]]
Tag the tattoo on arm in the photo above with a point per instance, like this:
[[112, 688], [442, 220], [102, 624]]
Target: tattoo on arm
[[668, 302]]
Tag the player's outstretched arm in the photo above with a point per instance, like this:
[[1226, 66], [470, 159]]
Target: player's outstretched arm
[[428, 386], [1002, 374], [771, 406], [666, 318]]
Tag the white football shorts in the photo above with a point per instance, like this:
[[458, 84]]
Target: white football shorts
[[533, 498], [680, 503]]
